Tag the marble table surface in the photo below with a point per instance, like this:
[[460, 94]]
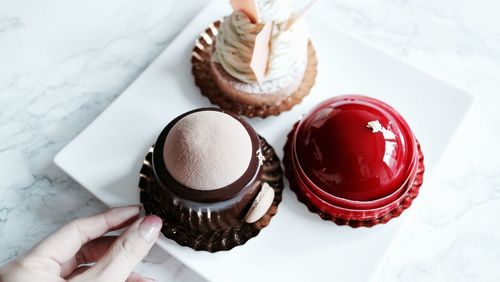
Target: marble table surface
[[63, 61]]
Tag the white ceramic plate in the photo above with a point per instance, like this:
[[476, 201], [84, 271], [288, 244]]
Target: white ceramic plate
[[297, 245]]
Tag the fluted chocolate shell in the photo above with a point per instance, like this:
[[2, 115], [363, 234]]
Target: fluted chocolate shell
[[209, 220], [155, 201]]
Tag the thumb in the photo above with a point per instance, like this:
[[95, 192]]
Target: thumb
[[126, 252]]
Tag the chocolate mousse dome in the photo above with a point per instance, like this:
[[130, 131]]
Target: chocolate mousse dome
[[207, 150], [212, 179], [208, 155]]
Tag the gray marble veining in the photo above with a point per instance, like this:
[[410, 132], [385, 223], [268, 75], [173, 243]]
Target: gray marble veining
[[63, 62]]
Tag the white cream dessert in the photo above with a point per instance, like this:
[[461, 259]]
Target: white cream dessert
[[287, 55]]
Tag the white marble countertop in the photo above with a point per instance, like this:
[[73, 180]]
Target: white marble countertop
[[63, 61]]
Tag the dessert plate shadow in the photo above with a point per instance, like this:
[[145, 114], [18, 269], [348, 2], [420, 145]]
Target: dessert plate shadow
[[297, 245]]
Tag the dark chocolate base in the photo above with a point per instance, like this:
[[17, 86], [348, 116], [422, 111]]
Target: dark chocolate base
[[384, 218], [213, 240]]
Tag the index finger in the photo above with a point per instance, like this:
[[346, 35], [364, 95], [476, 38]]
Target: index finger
[[65, 242]]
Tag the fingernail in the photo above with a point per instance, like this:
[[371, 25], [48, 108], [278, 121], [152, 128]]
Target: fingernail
[[150, 227], [150, 279]]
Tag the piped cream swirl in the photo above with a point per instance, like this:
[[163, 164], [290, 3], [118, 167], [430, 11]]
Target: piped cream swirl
[[235, 41]]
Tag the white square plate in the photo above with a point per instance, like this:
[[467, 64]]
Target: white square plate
[[297, 245]]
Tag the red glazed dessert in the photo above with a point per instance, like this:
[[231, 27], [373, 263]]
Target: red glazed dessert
[[354, 160]]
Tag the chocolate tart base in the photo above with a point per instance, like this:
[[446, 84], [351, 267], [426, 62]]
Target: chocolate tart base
[[215, 240], [201, 59], [406, 202]]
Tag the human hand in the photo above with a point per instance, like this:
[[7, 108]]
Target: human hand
[[62, 256]]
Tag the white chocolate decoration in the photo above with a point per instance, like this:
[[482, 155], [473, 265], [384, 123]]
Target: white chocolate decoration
[[375, 125], [274, 10], [207, 150], [261, 204]]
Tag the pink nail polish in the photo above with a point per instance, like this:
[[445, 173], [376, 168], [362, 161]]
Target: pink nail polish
[[150, 227]]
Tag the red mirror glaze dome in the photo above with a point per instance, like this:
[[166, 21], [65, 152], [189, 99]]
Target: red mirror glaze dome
[[354, 160], [342, 149]]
